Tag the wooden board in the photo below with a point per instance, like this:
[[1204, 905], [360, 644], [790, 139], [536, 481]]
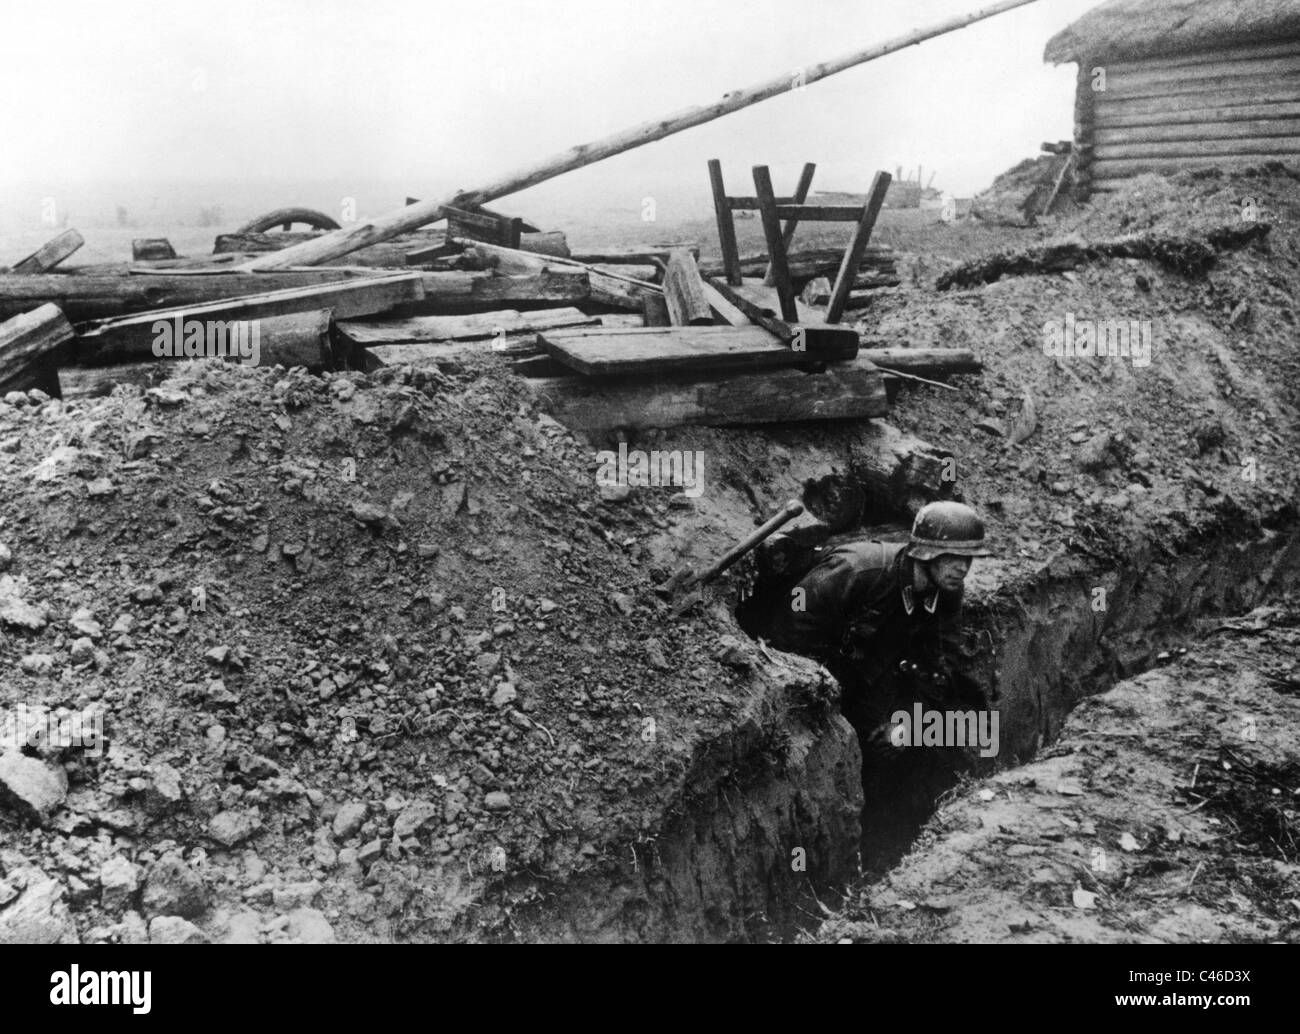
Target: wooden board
[[849, 390], [765, 297], [30, 345], [51, 253], [461, 328], [619, 352], [133, 335]]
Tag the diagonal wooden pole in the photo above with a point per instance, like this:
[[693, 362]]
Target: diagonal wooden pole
[[343, 242]]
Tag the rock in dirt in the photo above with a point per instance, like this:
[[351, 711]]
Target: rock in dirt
[[309, 926], [30, 787], [175, 930], [654, 653], [17, 612], [505, 695], [172, 888], [347, 823], [39, 915], [497, 800], [230, 828], [37, 663], [165, 793], [119, 879]]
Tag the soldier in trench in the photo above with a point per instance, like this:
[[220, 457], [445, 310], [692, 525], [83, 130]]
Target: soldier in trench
[[884, 618]]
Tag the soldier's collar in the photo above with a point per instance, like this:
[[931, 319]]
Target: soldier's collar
[[909, 600]]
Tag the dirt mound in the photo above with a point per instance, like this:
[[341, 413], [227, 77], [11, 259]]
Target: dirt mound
[[377, 647], [1018, 196]]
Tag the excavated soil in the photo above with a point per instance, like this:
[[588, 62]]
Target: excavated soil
[[431, 692]]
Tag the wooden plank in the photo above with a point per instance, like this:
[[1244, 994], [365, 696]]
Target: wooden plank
[[809, 338], [726, 224], [764, 297], [807, 263], [1131, 80], [1247, 52], [93, 296], [294, 339], [552, 242], [596, 406], [152, 249], [633, 254], [1210, 87], [1197, 148], [853, 256], [133, 335], [30, 347], [550, 285], [924, 362], [655, 350], [607, 288], [460, 328], [779, 268], [1122, 119], [684, 292], [787, 233], [723, 309], [821, 213], [654, 311], [1108, 175], [1107, 107], [51, 253], [1192, 132]]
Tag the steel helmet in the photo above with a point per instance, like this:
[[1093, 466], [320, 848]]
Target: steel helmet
[[946, 528]]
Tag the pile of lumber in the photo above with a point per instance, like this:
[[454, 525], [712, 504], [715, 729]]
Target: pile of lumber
[[610, 337]]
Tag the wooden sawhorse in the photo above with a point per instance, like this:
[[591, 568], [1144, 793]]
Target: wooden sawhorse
[[793, 210]]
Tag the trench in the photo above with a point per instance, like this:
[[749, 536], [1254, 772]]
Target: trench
[[1070, 631], [789, 773]]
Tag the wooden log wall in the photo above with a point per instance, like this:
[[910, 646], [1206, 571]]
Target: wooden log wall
[[1228, 108]]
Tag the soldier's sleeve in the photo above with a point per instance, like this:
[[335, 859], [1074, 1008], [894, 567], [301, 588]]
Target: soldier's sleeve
[[812, 620]]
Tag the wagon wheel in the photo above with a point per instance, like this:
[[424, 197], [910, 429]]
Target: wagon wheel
[[286, 217]]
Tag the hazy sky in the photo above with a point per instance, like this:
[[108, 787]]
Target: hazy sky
[[437, 95]]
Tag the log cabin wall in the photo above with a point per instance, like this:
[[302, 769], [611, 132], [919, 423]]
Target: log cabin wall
[[1227, 108]]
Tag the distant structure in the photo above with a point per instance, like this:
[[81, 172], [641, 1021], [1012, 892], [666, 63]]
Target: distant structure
[[1167, 85]]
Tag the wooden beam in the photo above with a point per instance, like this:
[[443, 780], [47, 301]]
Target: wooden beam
[[666, 350], [152, 249], [371, 231], [779, 269], [857, 246], [29, 349], [550, 285], [134, 335], [723, 309], [93, 296], [654, 310], [811, 338], [800, 196], [923, 362], [51, 253], [684, 292], [460, 328], [844, 391], [638, 254], [607, 288], [726, 224]]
